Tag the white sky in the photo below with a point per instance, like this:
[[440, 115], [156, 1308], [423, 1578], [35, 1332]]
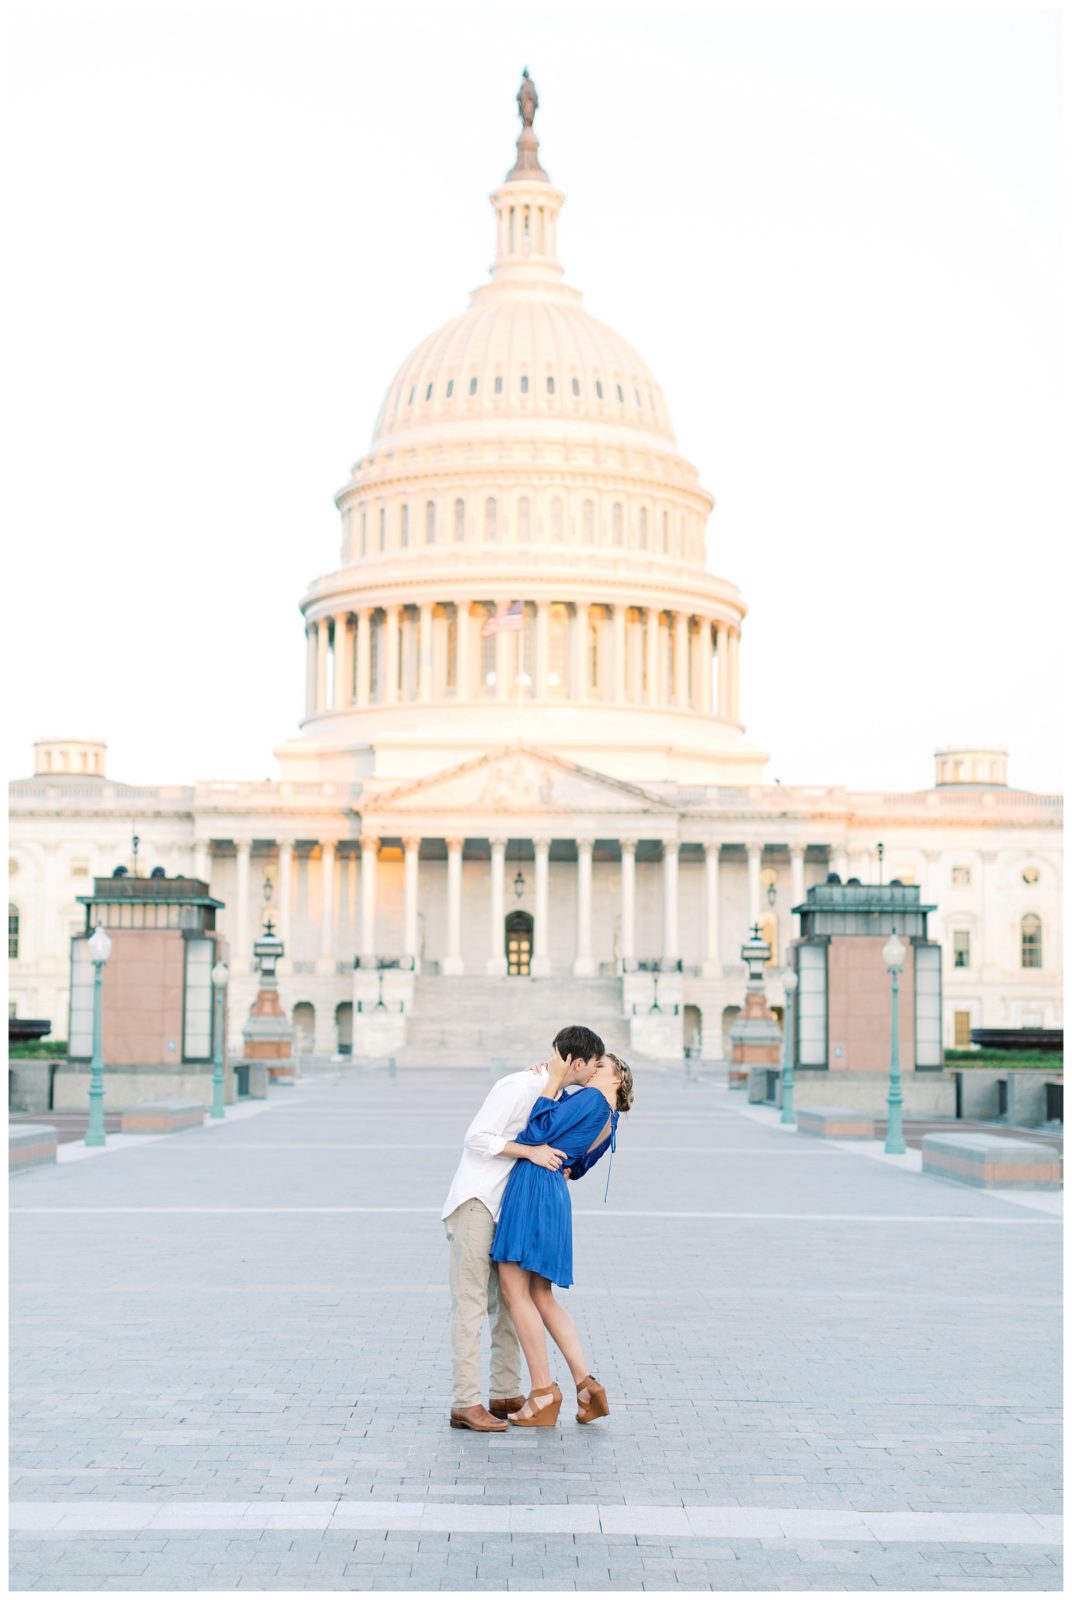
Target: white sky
[[833, 234]]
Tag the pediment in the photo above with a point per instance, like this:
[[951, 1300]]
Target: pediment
[[516, 780]]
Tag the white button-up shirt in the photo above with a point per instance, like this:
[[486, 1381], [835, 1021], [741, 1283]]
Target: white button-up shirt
[[483, 1171]]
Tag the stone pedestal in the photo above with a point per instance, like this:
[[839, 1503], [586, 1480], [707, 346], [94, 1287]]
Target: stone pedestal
[[268, 1037], [755, 1038]]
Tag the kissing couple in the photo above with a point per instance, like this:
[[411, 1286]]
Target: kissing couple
[[509, 1222]]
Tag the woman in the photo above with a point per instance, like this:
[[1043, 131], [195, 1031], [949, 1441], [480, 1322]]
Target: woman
[[533, 1242]]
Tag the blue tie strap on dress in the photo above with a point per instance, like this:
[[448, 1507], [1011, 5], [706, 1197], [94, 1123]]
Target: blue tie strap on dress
[[535, 1226]]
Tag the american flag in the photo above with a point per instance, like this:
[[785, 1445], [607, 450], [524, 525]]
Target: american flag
[[512, 620]]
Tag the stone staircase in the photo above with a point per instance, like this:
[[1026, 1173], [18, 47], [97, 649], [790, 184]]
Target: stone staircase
[[510, 1022]]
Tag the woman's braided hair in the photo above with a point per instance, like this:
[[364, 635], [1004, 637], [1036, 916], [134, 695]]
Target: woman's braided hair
[[625, 1088]]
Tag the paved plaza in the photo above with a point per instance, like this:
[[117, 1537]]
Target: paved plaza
[[230, 1363]]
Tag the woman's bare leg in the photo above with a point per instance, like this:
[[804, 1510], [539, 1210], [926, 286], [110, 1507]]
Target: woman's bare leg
[[516, 1285], [560, 1325]]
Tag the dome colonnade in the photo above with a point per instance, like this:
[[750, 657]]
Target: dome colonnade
[[437, 651]]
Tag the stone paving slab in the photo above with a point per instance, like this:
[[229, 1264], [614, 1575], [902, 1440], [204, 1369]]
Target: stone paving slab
[[258, 1314]]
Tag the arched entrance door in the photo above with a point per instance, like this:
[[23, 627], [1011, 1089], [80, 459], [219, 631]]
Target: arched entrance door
[[518, 944]]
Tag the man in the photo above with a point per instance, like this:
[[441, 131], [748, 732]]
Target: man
[[470, 1214]]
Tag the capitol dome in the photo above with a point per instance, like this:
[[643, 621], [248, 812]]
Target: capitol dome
[[524, 545], [531, 354]]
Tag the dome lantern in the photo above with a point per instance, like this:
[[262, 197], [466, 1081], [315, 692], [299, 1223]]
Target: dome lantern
[[526, 208]]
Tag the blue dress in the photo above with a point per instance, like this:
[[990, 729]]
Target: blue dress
[[535, 1225]]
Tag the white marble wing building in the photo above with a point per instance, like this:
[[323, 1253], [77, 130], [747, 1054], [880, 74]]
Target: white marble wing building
[[522, 757]]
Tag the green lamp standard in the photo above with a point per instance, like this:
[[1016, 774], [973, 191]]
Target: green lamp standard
[[100, 948], [219, 985], [893, 953], [789, 984]]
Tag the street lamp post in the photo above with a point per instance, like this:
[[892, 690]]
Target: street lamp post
[[100, 948], [893, 953], [789, 984], [219, 985]]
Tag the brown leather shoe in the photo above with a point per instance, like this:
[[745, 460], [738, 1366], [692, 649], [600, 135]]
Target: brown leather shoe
[[477, 1418], [503, 1408]]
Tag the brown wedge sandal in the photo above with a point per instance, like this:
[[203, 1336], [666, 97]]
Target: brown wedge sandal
[[546, 1416], [597, 1400]]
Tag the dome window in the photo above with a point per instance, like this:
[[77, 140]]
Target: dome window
[[472, 386], [550, 384], [450, 387], [428, 392], [556, 520], [642, 527], [491, 516], [576, 386], [524, 518], [588, 522], [405, 526], [599, 390], [412, 392], [459, 521], [621, 396], [617, 524], [524, 383], [498, 385], [429, 523], [383, 528], [636, 392]]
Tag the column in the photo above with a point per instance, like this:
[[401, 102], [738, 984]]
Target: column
[[541, 963], [543, 650], [932, 896], [681, 661], [579, 668], [202, 868], [628, 848], [367, 943], [796, 881], [452, 962], [326, 959], [755, 861], [341, 696], [584, 966], [363, 646], [240, 953], [424, 683], [412, 848], [722, 652], [351, 897], [390, 688], [310, 669], [283, 892], [712, 962], [704, 649], [735, 675], [496, 963], [503, 643], [619, 654], [651, 645], [463, 634], [670, 869], [322, 664]]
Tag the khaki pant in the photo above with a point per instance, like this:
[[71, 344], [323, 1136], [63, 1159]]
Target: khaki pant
[[475, 1294]]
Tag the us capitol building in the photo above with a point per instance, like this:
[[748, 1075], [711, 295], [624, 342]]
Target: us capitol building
[[521, 791]]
